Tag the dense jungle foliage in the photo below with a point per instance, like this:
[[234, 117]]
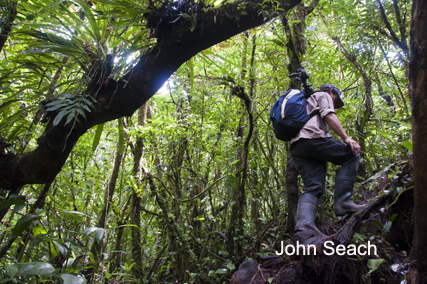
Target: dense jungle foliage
[[194, 182]]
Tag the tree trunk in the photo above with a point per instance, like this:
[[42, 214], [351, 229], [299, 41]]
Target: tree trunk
[[418, 90], [236, 226], [255, 204], [117, 255], [6, 21], [96, 248], [136, 208], [296, 48]]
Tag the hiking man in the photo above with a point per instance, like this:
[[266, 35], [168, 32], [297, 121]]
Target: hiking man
[[311, 149]]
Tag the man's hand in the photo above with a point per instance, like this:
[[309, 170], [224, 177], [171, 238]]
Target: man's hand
[[333, 122], [355, 147]]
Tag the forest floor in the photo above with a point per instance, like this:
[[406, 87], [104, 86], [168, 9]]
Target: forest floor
[[386, 223]]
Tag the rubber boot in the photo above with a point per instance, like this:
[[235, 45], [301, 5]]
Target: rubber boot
[[306, 231], [344, 183]]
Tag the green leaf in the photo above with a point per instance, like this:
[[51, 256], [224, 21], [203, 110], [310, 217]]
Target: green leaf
[[408, 145], [57, 102], [393, 217], [278, 42], [402, 123], [89, 231], [61, 247], [129, 225], [3, 106], [6, 229], [97, 137], [128, 268], [253, 164], [99, 232], [377, 224], [81, 112], [230, 266], [374, 264], [93, 28], [90, 255], [230, 182], [11, 269], [23, 224], [74, 212], [57, 106], [387, 226], [13, 199], [86, 108], [36, 240], [71, 279], [389, 137], [59, 117], [220, 66], [40, 230], [30, 17], [70, 117], [221, 271], [35, 268]]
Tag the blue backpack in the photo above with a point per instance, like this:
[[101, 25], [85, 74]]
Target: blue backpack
[[289, 114]]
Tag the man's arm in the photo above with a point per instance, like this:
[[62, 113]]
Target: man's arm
[[333, 122]]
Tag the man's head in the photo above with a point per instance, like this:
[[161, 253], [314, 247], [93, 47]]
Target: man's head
[[334, 93]]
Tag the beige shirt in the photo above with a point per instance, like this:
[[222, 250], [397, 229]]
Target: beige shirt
[[314, 128]]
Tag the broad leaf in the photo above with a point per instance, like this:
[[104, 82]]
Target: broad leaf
[[97, 136], [71, 279], [99, 232], [35, 268], [13, 199], [11, 269], [23, 224], [374, 264]]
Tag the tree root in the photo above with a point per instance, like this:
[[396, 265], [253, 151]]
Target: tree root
[[338, 268]]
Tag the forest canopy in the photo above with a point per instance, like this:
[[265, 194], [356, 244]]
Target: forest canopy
[[135, 139]]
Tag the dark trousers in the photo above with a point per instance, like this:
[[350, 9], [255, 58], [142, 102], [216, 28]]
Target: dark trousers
[[310, 157]]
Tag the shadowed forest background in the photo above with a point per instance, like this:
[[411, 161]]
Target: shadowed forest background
[[136, 144]]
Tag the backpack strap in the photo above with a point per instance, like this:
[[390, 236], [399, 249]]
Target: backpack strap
[[287, 98]]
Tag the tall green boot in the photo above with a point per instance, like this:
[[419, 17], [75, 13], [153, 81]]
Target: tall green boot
[[344, 183], [306, 231]]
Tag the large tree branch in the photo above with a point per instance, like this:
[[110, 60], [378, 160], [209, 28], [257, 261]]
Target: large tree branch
[[115, 99], [308, 9], [399, 21], [402, 44]]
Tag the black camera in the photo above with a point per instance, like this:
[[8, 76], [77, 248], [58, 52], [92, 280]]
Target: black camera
[[301, 75]]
